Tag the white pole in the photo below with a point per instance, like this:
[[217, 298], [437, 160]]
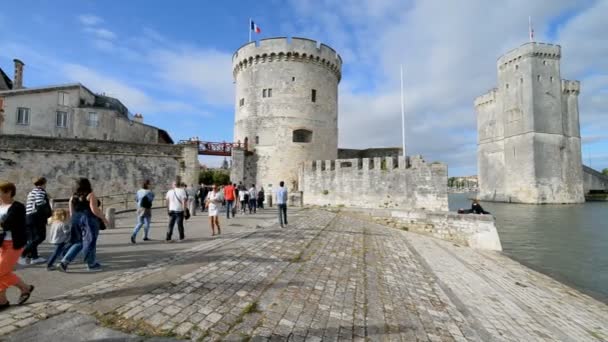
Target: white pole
[[402, 114], [530, 29], [249, 29]]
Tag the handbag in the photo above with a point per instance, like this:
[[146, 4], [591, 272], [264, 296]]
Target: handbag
[[102, 226], [187, 213]]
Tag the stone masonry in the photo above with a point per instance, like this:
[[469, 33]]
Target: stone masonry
[[376, 183], [529, 144], [286, 105], [112, 167]]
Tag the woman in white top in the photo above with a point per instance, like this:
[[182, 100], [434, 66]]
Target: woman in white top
[[214, 200]]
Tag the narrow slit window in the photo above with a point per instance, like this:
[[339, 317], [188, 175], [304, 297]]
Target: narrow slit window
[[302, 136], [313, 95], [257, 139], [269, 92]]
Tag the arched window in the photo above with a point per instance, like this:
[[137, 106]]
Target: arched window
[[302, 136]]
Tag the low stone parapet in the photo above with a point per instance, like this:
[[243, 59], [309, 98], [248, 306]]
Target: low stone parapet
[[475, 231]]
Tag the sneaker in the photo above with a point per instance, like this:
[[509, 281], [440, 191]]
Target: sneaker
[[132, 239], [95, 268], [24, 261], [63, 267], [146, 239], [39, 260], [51, 267]]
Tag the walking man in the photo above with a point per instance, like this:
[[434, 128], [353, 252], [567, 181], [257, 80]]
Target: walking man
[[144, 198], [229, 196], [253, 198], [37, 211], [176, 203], [282, 204]]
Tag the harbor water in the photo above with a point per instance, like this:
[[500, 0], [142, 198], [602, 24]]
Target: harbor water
[[566, 242]]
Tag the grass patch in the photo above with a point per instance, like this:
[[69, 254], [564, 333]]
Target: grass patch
[[130, 326], [325, 192], [297, 258], [250, 308]]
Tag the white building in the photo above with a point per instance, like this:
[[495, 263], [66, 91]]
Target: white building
[[69, 110]]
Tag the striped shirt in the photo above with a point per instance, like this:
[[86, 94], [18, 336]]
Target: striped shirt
[[35, 198]]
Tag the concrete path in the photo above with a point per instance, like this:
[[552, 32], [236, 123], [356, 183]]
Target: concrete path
[[326, 277]]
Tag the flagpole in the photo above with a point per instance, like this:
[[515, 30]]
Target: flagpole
[[402, 114], [249, 29], [530, 31]]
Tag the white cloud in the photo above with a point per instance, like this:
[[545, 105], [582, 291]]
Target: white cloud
[[449, 50], [89, 19], [134, 98], [206, 71], [100, 33]]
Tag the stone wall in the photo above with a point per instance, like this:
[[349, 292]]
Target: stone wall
[[112, 167], [349, 153], [375, 183], [594, 180], [475, 231]]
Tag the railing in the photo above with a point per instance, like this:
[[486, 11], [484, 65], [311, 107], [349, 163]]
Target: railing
[[120, 202], [215, 148]]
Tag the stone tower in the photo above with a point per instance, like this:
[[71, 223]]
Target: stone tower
[[529, 145], [286, 108]]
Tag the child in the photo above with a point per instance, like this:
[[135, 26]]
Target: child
[[60, 235]]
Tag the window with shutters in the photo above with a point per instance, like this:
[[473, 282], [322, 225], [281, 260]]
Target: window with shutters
[[64, 99]]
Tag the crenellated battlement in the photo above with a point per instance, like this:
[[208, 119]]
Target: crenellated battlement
[[389, 182], [541, 50], [279, 49], [571, 87], [487, 98]]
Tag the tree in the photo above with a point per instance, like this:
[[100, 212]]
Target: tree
[[605, 171], [209, 177]]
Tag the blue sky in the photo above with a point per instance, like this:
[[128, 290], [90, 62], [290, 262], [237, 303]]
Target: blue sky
[[171, 61]]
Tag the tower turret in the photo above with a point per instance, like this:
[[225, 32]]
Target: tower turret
[[286, 105]]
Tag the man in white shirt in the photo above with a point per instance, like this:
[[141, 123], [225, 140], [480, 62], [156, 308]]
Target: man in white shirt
[[282, 203], [253, 198], [176, 204]]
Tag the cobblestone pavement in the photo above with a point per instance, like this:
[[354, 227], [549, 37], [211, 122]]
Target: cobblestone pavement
[[330, 277]]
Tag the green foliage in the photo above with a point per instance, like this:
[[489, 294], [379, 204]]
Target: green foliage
[[605, 171], [209, 177], [325, 192]]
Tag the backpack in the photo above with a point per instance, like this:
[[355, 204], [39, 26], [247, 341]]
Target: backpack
[[145, 202]]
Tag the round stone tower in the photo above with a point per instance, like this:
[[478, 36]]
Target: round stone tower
[[286, 106]]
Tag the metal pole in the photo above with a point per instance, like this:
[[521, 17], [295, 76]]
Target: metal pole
[[402, 114]]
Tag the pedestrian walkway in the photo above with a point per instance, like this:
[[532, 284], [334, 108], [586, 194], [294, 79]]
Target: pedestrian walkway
[[327, 277]]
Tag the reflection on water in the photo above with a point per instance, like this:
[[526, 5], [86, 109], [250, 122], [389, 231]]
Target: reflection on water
[[567, 242]]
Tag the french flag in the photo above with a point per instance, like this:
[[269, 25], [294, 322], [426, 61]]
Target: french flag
[[255, 28]]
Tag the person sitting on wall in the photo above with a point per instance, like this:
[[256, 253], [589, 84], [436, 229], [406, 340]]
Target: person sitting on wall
[[477, 209]]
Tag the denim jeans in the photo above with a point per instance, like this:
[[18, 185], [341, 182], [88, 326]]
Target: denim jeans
[[252, 205], [229, 204], [59, 249], [282, 214], [88, 224], [176, 216], [143, 220]]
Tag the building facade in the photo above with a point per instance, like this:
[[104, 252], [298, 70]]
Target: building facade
[[286, 106], [70, 111], [529, 144]]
